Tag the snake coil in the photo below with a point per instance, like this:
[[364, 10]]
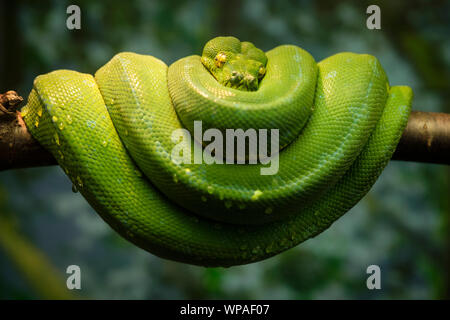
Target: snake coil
[[339, 122]]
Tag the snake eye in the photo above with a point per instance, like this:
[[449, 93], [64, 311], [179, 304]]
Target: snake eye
[[220, 59], [261, 71]]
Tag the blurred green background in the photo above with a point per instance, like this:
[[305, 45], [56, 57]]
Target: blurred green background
[[402, 225]]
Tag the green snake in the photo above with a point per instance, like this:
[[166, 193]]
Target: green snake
[[114, 135]]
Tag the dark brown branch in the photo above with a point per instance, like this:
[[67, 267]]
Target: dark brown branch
[[425, 139], [18, 149]]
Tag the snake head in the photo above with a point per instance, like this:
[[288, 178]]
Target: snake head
[[235, 64]]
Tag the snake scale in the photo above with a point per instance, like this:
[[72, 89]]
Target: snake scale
[[338, 124]]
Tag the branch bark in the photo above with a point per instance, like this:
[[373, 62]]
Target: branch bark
[[425, 139], [18, 149]]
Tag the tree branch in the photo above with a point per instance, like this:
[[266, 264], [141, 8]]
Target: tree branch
[[425, 139], [18, 149]]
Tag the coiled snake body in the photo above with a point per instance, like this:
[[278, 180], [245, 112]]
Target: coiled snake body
[[339, 122]]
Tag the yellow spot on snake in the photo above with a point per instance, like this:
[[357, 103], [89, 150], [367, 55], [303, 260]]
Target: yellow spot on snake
[[54, 119], [39, 112], [36, 124], [24, 111], [262, 71], [56, 137], [61, 126], [256, 195], [69, 119], [80, 182]]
